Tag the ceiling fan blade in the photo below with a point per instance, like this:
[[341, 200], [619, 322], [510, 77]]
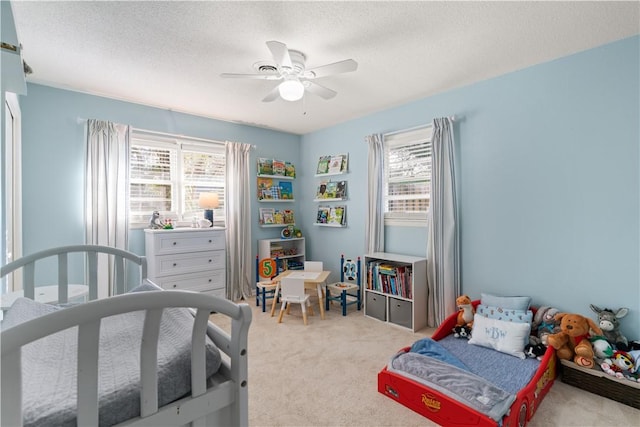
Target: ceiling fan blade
[[319, 90], [251, 76], [345, 66], [280, 54], [272, 96]]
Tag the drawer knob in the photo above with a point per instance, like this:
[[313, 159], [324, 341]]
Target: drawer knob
[[210, 260], [175, 286], [175, 243], [174, 264], [210, 241], [209, 280]]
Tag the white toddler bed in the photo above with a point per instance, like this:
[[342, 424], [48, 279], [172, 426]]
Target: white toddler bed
[[141, 359]]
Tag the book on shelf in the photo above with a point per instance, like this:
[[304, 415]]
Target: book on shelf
[[337, 164], [321, 192], [286, 190], [265, 166], [289, 170], [390, 278], [264, 188], [332, 188], [323, 165], [278, 167], [337, 215], [341, 190], [322, 216], [267, 216]]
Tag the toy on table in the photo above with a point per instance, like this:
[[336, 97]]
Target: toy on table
[[610, 325], [465, 311], [544, 323], [572, 342]]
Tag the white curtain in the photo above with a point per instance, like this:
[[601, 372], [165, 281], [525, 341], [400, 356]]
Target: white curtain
[[238, 221], [443, 255], [107, 194], [374, 232]]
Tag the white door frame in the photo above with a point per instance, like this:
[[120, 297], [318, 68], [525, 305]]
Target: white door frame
[[13, 186]]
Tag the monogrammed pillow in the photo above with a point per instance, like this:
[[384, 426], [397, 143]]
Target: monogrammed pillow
[[506, 337]]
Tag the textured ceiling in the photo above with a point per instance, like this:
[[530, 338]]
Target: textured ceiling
[[170, 54]]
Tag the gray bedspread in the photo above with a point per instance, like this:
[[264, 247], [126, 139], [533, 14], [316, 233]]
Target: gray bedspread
[[49, 365], [436, 371]]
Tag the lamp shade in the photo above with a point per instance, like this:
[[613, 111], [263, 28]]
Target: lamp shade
[[291, 89], [208, 200]]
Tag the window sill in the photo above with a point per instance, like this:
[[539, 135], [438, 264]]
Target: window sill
[[397, 222]]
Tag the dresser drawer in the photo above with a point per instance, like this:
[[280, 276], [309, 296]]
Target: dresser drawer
[[198, 282], [188, 263], [189, 241]]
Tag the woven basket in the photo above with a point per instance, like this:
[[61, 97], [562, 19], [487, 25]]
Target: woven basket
[[596, 381]]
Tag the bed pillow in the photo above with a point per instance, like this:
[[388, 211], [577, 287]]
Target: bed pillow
[[513, 303], [505, 337], [506, 314]]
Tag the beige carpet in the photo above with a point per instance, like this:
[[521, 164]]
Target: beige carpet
[[325, 374]]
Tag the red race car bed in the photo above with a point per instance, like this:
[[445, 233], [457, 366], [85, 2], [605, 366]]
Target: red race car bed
[[493, 388]]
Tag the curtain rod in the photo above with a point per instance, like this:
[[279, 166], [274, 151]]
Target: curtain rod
[[452, 118], [172, 135]]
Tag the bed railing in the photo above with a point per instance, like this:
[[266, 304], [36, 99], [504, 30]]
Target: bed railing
[[92, 252], [88, 317]]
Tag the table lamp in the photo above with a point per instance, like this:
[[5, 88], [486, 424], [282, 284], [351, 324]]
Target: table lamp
[[208, 202]]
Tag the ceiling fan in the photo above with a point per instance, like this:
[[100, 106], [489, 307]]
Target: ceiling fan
[[289, 66]]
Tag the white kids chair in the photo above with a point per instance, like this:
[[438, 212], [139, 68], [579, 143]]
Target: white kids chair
[[292, 292]]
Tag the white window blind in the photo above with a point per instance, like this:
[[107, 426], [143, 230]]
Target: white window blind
[[168, 175], [407, 175]]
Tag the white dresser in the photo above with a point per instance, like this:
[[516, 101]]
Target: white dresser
[[192, 259]]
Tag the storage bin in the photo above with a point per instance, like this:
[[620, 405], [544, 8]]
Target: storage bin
[[597, 382], [400, 312], [375, 306]]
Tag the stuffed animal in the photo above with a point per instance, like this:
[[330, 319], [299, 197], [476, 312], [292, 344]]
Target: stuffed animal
[[154, 222], [462, 331], [544, 323], [620, 365], [608, 322], [465, 311], [602, 349], [572, 342], [535, 351]]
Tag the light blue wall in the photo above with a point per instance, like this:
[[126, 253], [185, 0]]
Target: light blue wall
[[54, 155], [548, 173], [549, 181]]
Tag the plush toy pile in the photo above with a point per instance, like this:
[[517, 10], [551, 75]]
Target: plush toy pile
[[592, 344]]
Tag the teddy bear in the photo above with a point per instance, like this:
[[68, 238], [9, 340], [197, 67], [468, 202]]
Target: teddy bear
[[572, 342], [465, 311]]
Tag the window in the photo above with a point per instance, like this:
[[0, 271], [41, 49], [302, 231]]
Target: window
[[168, 175], [407, 176]]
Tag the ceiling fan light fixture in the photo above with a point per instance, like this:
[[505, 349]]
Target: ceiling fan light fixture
[[291, 89]]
